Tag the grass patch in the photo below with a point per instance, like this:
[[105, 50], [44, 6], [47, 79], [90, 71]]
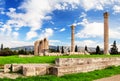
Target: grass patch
[[45, 59], [90, 76]]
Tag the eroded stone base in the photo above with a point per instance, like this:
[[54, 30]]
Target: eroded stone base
[[63, 66]]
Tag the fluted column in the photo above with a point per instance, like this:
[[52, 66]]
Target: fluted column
[[40, 46], [106, 33], [36, 44], [72, 38]]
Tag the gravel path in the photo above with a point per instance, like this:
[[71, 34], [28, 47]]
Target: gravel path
[[113, 78]]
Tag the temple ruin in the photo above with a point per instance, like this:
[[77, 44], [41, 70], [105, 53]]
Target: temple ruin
[[41, 47]]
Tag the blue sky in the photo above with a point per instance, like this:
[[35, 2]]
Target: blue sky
[[24, 21]]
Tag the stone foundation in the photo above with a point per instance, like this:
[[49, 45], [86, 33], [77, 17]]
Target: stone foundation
[[77, 65], [34, 70], [7, 68], [27, 69], [64, 66]]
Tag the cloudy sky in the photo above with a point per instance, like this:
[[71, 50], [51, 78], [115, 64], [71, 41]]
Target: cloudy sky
[[24, 21]]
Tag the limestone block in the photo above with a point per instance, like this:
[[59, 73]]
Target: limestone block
[[7, 68], [16, 67], [71, 61], [28, 71], [77, 65], [34, 70], [40, 70]]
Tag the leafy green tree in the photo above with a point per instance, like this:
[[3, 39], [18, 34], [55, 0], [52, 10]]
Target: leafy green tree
[[6, 52], [114, 49], [76, 48], [21, 51], [7, 49], [98, 50], [52, 50]]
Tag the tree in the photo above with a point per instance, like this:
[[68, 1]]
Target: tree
[[6, 52], [62, 49], [98, 50], [1, 46], [76, 48], [21, 51], [114, 49], [58, 49], [86, 49]]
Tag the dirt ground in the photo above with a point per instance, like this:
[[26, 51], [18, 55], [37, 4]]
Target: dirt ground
[[113, 78]]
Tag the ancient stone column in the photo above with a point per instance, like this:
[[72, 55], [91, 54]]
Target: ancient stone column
[[106, 33], [36, 44], [46, 44], [40, 47], [72, 38]]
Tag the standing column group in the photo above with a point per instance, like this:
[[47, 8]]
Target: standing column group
[[40, 47]]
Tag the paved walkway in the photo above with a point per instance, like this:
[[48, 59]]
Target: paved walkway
[[113, 78]]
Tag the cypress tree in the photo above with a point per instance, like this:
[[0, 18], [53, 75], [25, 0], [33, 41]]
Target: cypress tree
[[76, 48]]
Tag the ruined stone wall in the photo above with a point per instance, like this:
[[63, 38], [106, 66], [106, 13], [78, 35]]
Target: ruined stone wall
[[64, 66], [77, 65]]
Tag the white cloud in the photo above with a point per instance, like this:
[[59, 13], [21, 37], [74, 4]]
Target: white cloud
[[54, 42], [92, 4], [95, 29], [91, 30], [89, 43], [31, 34], [48, 32], [35, 11], [114, 33], [63, 29], [116, 9], [14, 43], [83, 15], [15, 35]]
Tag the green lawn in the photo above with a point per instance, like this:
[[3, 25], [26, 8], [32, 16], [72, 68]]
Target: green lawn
[[44, 59], [50, 59], [90, 76]]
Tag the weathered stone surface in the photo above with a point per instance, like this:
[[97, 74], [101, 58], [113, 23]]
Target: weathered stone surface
[[77, 65], [62, 70], [64, 66], [41, 47], [41, 70], [7, 68], [28, 71], [34, 70], [72, 38], [18, 67], [106, 33], [36, 45], [80, 61]]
